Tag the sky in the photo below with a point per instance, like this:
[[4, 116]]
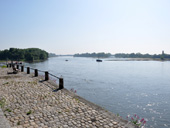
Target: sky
[[80, 26]]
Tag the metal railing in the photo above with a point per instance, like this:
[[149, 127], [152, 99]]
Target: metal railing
[[61, 81]]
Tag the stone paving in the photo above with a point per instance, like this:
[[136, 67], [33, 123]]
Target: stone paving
[[32, 103], [3, 121]]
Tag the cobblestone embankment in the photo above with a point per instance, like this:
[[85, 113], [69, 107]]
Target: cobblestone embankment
[[32, 103]]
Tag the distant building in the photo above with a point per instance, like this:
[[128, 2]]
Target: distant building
[[162, 52], [162, 56]]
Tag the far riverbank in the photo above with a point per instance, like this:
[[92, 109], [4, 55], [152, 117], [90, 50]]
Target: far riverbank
[[136, 59]]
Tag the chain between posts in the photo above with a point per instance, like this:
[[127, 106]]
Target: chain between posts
[[61, 81]]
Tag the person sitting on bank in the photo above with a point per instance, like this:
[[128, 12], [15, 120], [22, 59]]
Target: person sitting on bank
[[15, 70]]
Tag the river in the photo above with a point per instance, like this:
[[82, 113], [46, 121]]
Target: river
[[122, 87]]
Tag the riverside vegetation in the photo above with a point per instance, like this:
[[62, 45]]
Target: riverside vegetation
[[29, 54], [162, 56], [99, 55]]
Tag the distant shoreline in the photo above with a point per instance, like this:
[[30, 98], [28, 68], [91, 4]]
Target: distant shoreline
[[137, 59]]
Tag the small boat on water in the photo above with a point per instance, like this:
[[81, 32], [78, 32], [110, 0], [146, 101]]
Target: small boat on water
[[98, 60]]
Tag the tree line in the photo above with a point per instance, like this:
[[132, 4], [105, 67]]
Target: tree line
[[139, 55], [124, 55], [99, 55], [52, 55], [29, 54]]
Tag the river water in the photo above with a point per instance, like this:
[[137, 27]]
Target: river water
[[122, 87]]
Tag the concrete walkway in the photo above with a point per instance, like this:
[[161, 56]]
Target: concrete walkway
[[3, 121], [34, 103]]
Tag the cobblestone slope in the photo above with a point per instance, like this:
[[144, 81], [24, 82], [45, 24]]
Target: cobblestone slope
[[31, 103]]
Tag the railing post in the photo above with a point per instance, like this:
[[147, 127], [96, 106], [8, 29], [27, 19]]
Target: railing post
[[17, 66], [22, 68], [46, 76], [10, 65], [36, 72], [7, 65], [61, 83], [28, 70]]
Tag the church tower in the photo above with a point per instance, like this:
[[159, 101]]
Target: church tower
[[162, 52], [162, 56]]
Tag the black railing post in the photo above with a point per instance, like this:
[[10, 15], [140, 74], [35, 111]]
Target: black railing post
[[28, 70], [61, 83], [22, 68], [36, 72], [17, 66], [7, 65], [10, 65], [46, 76]]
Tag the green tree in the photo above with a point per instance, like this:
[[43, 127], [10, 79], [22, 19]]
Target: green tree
[[29, 54]]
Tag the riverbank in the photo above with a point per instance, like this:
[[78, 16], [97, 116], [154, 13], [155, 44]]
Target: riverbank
[[137, 59], [32, 102]]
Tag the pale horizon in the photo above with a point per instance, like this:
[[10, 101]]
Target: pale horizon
[[70, 27]]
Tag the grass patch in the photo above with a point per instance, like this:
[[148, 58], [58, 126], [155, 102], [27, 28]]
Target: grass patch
[[35, 82], [18, 123], [29, 112], [32, 82], [8, 110], [5, 83], [2, 102], [4, 66], [77, 100]]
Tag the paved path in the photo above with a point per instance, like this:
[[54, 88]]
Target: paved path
[[3, 121], [33, 103]]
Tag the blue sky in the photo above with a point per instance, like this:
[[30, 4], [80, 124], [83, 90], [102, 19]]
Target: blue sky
[[78, 26]]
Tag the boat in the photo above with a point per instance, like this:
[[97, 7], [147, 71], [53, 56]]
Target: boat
[[98, 60]]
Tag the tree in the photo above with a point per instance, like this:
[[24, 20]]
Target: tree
[[29, 54], [29, 57]]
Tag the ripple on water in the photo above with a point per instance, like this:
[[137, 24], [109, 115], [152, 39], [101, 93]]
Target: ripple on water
[[150, 104]]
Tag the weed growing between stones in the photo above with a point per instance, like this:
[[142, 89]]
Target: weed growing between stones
[[59, 112], [29, 112], [5, 83], [118, 115], [2, 102], [8, 110], [18, 123], [77, 100], [32, 82]]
